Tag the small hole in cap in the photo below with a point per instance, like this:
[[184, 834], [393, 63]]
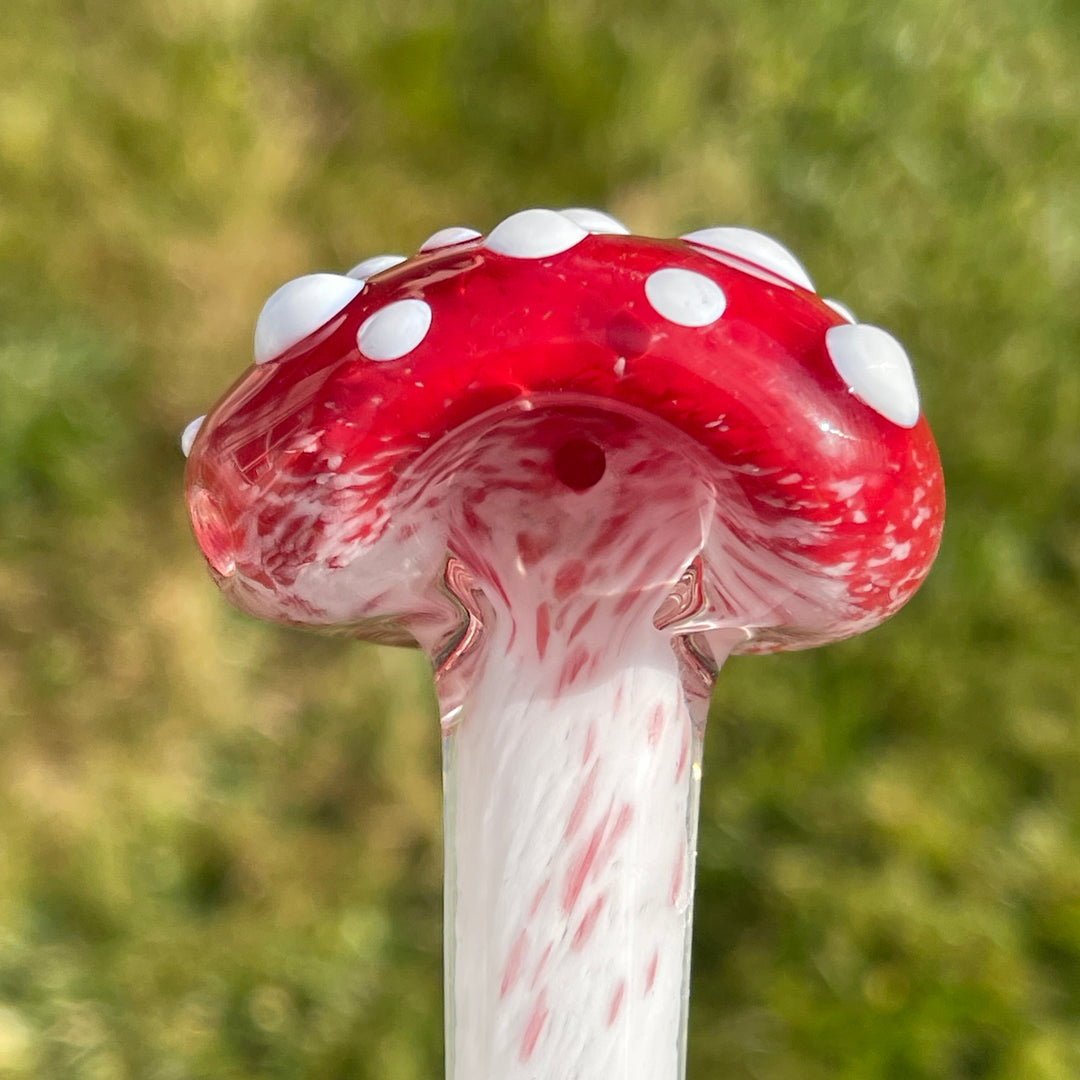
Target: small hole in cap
[[579, 464]]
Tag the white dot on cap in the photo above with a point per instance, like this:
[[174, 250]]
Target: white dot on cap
[[754, 247], [375, 265], [535, 234], [876, 369], [595, 221], [394, 330], [685, 297], [187, 438], [455, 234], [298, 309]]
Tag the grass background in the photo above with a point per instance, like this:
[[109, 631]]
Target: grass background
[[219, 841]]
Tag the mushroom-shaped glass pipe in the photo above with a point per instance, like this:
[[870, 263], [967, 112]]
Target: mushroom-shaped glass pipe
[[578, 468]]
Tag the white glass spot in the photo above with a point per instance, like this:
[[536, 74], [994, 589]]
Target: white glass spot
[[685, 297], [534, 234], [298, 309], [842, 310], [595, 221], [375, 265], [187, 438], [394, 330], [876, 369], [455, 234], [754, 247]]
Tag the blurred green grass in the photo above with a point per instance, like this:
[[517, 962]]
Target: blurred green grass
[[219, 842]]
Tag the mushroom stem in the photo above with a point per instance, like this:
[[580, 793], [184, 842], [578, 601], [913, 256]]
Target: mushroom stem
[[571, 801], [572, 713]]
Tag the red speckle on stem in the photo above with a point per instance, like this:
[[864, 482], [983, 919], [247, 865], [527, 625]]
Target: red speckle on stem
[[514, 963], [534, 1027], [590, 743], [533, 548], [538, 899], [616, 1003], [572, 668], [581, 804], [684, 755], [583, 620], [475, 523], [569, 578], [622, 822], [580, 866], [540, 965], [543, 629], [678, 873], [656, 725], [587, 924], [650, 971]]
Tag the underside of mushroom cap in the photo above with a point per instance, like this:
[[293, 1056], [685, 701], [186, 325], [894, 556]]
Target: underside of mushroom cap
[[308, 484]]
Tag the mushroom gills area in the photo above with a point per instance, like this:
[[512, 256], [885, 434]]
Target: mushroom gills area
[[572, 732]]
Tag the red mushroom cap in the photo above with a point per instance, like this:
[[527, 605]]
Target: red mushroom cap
[[826, 497]]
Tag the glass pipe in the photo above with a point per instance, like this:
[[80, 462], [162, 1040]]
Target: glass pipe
[[579, 468]]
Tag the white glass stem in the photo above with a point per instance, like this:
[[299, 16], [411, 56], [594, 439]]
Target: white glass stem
[[571, 791]]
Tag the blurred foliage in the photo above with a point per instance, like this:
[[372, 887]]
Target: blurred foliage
[[219, 842]]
